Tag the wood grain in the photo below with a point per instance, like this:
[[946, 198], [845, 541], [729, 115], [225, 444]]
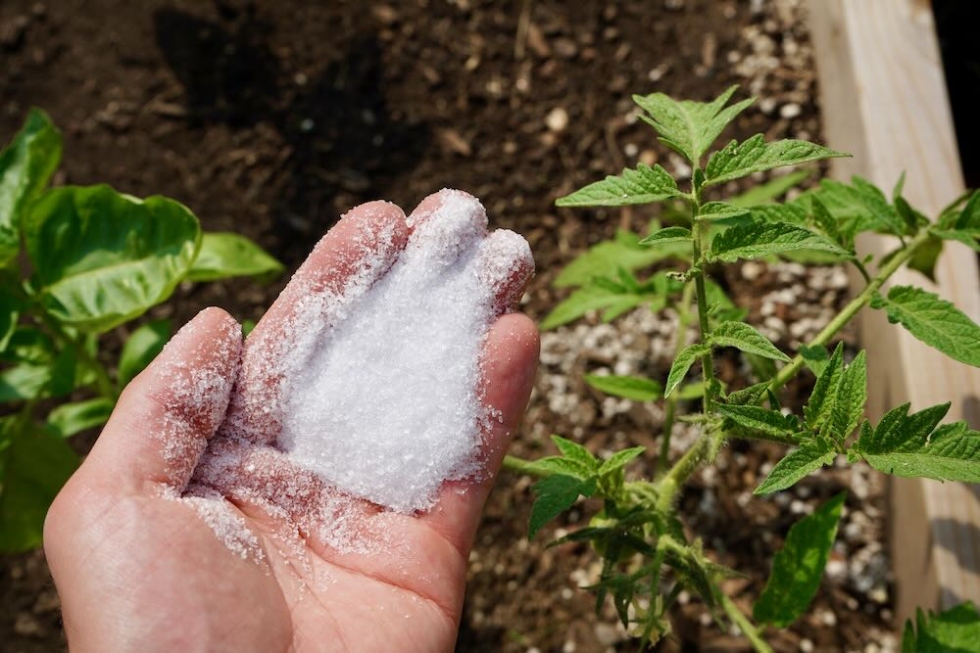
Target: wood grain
[[884, 100]]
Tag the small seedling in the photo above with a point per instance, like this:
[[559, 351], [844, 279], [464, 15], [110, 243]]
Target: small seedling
[[647, 558]]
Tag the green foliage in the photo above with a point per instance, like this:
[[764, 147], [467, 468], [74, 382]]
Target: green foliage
[[224, 255], [755, 155], [811, 456], [956, 630], [934, 321], [798, 567], [688, 127], [101, 258], [918, 446], [97, 260], [636, 388], [25, 168], [640, 186], [34, 465], [760, 239], [647, 557], [746, 338]]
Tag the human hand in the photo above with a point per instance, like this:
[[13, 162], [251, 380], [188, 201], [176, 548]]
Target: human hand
[[189, 528]]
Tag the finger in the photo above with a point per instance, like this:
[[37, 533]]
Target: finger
[[165, 416], [445, 226], [509, 363], [505, 267], [354, 254]]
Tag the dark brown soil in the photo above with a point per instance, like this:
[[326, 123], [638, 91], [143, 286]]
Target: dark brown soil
[[273, 118]]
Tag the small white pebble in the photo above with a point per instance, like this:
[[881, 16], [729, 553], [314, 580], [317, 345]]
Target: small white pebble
[[557, 119], [790, 110]]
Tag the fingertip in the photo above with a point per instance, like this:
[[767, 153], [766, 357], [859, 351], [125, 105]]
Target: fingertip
[[506, 267], [367, 239]]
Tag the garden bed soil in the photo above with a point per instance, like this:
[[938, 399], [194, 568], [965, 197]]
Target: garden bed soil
[[273, 118]]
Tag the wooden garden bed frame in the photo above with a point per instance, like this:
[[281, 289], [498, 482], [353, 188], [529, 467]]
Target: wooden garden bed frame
[[884, 100]]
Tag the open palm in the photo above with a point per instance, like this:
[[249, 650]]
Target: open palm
[[187, 528]]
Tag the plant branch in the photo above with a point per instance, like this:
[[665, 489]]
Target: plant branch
[[670, 403], [742, 621], [685, 466], [521, 466], [852, 308], [707, 364]]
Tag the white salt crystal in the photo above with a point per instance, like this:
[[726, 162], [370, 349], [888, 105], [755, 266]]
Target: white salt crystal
[[384, 404], [369, 388]]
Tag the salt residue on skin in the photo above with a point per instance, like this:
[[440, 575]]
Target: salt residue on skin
[[366, 395], [197, 398], [227, 525], [384, 403], [257, 405]]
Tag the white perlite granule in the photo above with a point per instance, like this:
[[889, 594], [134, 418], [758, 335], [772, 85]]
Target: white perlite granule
[[384, 404]]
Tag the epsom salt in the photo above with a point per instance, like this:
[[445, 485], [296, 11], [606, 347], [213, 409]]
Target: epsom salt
[[366, 391], [385, 404]]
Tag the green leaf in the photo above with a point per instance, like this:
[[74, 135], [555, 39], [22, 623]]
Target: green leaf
[[37, 369], [11, 304], [850, 397], [756, 418], [815, 357], [760, 239], [575, 451], [620, 459], [636, 388], [686, 126], [912, 218], [820, 404], [969, 217], [584, 300], [224, 255], [561, 465], [668, 235], [745, 338], [36, 465], [555, 495], [808, 458], [914, 446], [690, 391], [26, 165], [788, 213], [799, 566], [770, 190], [956, 630], [738, 160], [606, 258], [68, 419], [826, 221], [963, 226], [641, 186], [750, 395], [861, 205], [720, 305], [721, 211], [925, 257], [685, 359], [934, 321], [101, 258], [141, 348]]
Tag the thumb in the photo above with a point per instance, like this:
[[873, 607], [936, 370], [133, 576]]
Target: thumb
[[166, 415]]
